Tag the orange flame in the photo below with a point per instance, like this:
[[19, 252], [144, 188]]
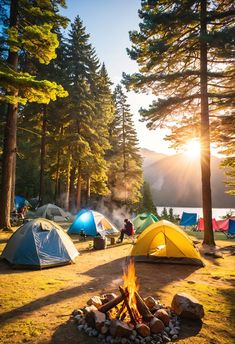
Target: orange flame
[[131, 284]]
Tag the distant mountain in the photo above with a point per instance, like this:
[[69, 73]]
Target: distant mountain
[[176, 181], [150, 157]]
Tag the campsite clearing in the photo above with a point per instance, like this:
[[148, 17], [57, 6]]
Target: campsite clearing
[[36, 305]]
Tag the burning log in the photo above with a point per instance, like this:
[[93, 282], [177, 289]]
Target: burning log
[[122, 306], [143, 308], [127, 305], [109, 305]]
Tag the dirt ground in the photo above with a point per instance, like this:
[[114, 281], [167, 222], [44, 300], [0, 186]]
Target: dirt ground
[[36, 306]]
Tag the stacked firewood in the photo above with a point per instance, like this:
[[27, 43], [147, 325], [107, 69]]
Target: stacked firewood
[[112, 319]]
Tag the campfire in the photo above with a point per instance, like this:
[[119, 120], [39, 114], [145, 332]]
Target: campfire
[[127, 317]]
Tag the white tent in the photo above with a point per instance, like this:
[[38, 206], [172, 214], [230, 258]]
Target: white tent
[[52, 212]]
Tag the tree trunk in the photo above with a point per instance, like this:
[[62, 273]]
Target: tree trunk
[[58, 168], [205, 132], [79, 187], [71, 189], [9, 144], [124, 155], [88, 190], [43, 157], [66, 204], [13, 181]]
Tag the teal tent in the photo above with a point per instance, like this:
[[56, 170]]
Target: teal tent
[[39, 243], [92, 223], [142, 221]]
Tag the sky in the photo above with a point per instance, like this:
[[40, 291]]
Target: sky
[[108, 23]]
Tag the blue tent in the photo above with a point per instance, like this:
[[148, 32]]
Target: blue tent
[[92, 223], [20, 201], [39, 243], [231, 227], [188, 219]]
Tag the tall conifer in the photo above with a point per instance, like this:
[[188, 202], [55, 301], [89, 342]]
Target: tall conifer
[[178, 49], [125, 177], [29, 32]]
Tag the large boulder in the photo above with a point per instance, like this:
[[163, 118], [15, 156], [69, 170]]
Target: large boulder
[[187, 306]]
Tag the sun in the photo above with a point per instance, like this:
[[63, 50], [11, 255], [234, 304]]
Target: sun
[[192, 149]]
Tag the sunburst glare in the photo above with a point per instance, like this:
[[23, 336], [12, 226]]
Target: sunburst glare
[[192, 149]]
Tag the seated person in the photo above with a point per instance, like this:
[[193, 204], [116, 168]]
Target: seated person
[[22, 212], [128, 230]]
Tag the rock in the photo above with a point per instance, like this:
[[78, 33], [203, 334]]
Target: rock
[[123, 341], [95, 300], [186, 306], [78, 317], [148, 339], [166, 339], [104, 329], [95, 319], [89, 309], [150, 302], [77, 312], [156, 325], [108, 339], [80, 328], [94, 333], [163, 316], [143, 330], [120, 329], [171, 325], [107, 297]]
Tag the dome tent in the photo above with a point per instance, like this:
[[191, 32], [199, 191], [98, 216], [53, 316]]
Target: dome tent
[[39, 243], [52, 212], [92, 223], [164, 242], [142, 221]]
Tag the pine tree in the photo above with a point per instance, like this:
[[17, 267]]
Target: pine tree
[[225, 139], [179, 50], [29, 32], [90, 113], [147, 204], [125, 177]]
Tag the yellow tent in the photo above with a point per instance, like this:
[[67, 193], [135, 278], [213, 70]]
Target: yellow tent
[[165, 242]]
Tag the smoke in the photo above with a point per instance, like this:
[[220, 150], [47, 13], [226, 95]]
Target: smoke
[[114, 213]]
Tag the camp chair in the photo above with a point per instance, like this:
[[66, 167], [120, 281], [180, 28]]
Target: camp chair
[[230, 233], [227, 234]]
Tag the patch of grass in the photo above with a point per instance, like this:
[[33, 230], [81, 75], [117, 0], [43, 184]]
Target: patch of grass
[[22, 331]]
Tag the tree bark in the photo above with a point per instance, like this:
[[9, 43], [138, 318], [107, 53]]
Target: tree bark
[[205, 131], [88, 190], [66, 204], [13, 180], [9, 144], [71, 189], [43, 157], [79, 187], [58, 168]]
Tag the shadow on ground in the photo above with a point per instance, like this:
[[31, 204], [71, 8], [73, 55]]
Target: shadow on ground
[[106, 278], [69, 331], [189, 328]]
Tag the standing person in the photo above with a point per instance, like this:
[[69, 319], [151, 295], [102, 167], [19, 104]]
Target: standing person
[[128, 230]]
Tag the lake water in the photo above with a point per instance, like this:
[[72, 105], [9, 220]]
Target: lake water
[[216, 212]]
